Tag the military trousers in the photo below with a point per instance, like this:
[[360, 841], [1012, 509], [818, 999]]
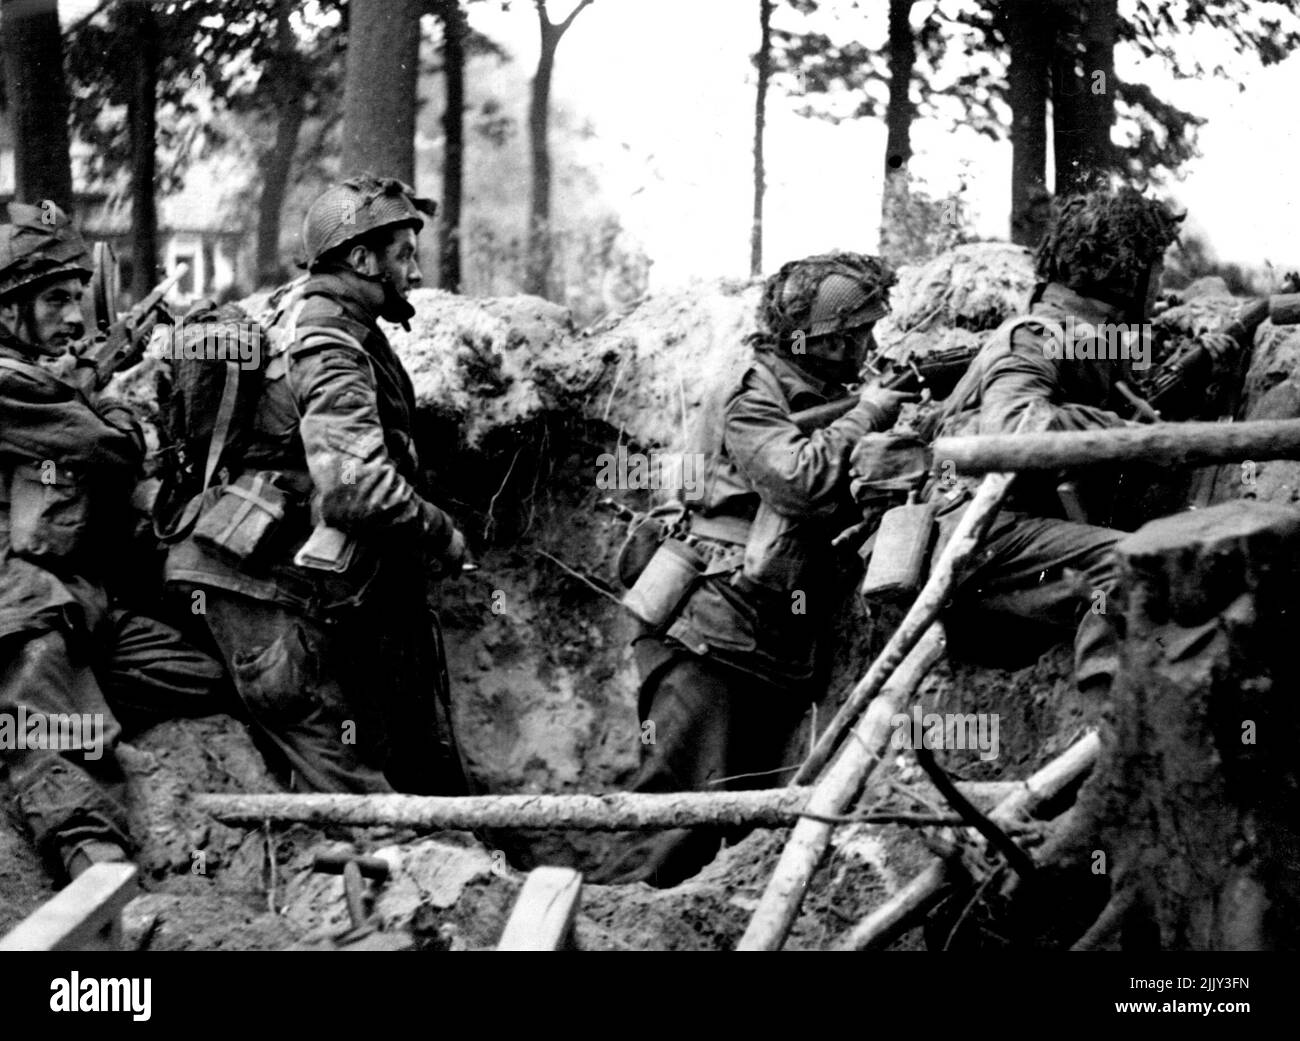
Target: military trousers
[[1052, 575], [705, 727], [67, 696], [353, 702]]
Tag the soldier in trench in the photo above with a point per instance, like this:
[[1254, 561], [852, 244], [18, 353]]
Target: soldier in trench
[[726, 679], [76, 668], [1040, 572], [319, 607]]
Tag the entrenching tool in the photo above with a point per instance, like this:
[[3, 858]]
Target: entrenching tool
[[365, 932]]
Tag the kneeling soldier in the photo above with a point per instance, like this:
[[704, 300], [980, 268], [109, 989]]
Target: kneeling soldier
[[74, 667]]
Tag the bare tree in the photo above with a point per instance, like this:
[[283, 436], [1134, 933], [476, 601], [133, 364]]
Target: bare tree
[[764, 62], [286, 79], [537, 272], [454, 28], [379, 90], [36, 93], [142, 122], [1030, 36], [901, 111]]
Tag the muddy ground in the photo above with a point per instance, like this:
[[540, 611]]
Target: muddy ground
[[516, 408]]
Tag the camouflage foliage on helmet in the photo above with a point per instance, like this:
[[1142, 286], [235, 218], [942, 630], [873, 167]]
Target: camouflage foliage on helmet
[[1103, 243], [793, 299]]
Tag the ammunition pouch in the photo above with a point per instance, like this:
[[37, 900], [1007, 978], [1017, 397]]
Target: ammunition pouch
[[885, 466], [48, 511], [241, 524]]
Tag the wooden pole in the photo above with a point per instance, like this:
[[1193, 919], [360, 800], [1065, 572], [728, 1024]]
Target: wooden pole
[[868, 747], [617, 811], [888, 921], [920, 616], [1162, 444]]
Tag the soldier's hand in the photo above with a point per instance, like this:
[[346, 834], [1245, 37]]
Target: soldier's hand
[[454, 555], [888, 402]]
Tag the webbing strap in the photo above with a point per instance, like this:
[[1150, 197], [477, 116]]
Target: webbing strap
[[220, 433]]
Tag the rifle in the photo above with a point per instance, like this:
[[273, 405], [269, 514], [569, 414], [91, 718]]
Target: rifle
[[121, 345], [938, 371], [1191, 367]]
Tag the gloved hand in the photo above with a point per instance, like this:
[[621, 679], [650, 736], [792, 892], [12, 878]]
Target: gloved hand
[[887, 403]]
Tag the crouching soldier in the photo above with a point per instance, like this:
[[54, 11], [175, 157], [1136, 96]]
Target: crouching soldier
[[1042, 569], [74, 668], [725, 681], [309, 565]]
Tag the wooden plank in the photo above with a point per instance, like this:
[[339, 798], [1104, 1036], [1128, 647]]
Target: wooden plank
[[85, 915], [544, 913]]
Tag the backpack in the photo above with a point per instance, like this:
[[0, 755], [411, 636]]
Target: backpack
[[208, 394]]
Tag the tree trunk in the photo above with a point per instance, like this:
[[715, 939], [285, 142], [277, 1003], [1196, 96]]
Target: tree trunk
[[453, 133], [379, 88], [1194, 803], [537, 270], [901, 111], [37, 95], [142, 119], [288, 88], [1029, 39], [1099, 32], [764, 62], [898, 124], [1083, 108]]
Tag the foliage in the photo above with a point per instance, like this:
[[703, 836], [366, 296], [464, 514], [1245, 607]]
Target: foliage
[[916, 226], [846, 80]]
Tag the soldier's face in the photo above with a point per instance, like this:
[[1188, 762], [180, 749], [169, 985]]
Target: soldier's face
[[54, 322], [400, 262]]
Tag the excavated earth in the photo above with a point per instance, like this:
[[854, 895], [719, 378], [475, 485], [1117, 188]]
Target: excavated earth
[[516, 409]]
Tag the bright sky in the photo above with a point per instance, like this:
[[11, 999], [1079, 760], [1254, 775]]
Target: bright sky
[[672, 81]]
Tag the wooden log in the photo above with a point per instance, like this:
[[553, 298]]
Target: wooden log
[[1160, 444], [893, 917], [862, 753], [85, 915], [544, 913], [617, 811]]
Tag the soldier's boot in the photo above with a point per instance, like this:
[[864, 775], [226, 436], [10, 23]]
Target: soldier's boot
[[72, 818]]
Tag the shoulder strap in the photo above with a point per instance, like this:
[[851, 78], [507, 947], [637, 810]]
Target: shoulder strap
[[220, 435]]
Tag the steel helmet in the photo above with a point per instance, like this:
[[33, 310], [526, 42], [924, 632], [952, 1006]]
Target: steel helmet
[[344, 212], [39, 244], [824, 294]]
